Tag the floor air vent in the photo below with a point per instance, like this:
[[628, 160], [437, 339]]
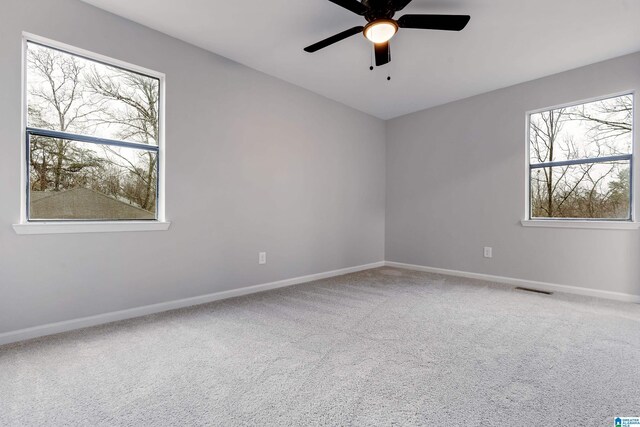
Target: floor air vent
[[537, 291]]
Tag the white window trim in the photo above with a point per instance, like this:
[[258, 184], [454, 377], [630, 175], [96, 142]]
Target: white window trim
[[89, 227], [578, 223], [603, 224], [57, 227]]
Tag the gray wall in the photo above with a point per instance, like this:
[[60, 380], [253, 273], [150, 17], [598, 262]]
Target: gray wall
[[253, 164], [456, 182]]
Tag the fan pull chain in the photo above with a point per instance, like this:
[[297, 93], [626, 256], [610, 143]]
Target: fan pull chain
[[371, 66], [371, 57], [389, 66]]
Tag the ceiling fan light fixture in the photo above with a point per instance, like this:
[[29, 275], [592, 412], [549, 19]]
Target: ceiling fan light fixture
[[380, 30]]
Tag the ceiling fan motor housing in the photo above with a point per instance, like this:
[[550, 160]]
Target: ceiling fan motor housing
[[379, 9]]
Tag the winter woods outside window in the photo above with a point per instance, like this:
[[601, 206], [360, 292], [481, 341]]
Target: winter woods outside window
[[580, 160], [93, 133]]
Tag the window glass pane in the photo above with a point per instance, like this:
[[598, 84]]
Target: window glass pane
[[73, 94], [83, 181], [596, 129], [592, 190]]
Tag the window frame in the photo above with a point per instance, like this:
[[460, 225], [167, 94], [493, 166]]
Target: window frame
[[37, 226], [594, 223]]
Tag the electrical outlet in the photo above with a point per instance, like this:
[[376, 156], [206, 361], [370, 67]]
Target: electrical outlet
[[488, 252], [262, 257]]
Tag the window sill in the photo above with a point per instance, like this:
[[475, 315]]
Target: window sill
[[598, 225], [89, 227]]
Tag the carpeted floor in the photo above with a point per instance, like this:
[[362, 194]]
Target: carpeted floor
[[380, 347]]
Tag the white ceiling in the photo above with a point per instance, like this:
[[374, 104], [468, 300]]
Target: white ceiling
[[506, 42]]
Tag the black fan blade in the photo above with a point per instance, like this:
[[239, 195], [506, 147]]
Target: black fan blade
[[434, 22], [383, 53], [400, 4], [333, 39], [353, 5]]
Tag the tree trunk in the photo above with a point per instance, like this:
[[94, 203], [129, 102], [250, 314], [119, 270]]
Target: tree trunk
[[147, 196], [58, 168], [552, 138]]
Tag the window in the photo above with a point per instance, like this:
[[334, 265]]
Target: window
[[580, 161], [93, 138]]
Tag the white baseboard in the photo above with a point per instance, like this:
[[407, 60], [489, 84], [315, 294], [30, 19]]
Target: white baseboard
[[544, 286], [69, 325]]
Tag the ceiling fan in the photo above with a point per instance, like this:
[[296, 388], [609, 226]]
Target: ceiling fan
[[381, 26]]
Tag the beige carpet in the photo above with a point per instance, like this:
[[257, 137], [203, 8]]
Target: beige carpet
[[381, 347]]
